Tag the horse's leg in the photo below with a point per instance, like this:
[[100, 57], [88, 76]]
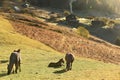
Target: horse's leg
[[67, 66], [10, 68], [71, 66], [13, 70], [19, 66], [16, 67]]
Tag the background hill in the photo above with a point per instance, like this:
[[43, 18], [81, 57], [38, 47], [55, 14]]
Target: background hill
[[108, 7]]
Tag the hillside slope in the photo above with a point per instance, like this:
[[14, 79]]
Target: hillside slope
[[36, 57], [8, 36], [64, 39]]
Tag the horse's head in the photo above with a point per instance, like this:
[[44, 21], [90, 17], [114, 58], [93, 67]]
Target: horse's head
[[9, 69], [17, 50], [61, 60]]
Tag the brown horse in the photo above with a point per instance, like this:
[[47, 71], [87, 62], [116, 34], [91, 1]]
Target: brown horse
[[69, 60], [56, 64], [14, 60]]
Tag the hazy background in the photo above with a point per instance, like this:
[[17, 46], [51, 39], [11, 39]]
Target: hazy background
[[88, 7], [93, 7]]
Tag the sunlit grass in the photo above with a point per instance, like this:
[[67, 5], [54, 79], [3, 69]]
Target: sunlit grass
[[36, 57], [35, 62]]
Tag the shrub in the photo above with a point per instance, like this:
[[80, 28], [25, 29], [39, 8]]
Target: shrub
[[83, 32], [66, 13], [117, 41]]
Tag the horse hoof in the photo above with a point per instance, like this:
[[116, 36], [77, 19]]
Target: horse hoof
[[8, 73]]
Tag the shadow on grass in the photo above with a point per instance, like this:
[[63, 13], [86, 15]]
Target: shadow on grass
[[2, 75], [60, 71], [54, 67], [3, 61]]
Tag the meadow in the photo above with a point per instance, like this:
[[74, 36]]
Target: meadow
[[36, 57]]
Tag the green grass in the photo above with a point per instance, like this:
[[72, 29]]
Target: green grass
[[36, 57]]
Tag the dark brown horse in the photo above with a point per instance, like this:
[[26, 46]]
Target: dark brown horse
[[56, 64], [69, 60], [14, 60]]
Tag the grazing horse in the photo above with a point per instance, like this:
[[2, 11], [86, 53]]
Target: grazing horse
[[14, 60], [69, 60], [56, 64]]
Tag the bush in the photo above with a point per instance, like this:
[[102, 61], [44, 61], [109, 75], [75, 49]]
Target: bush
[[83, 32], [66, 13], [117, 41]]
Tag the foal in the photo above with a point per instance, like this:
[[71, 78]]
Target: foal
[[57, 64], [14, 60]]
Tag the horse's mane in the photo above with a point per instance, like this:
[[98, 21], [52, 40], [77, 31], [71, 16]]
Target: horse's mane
[[61, 60]]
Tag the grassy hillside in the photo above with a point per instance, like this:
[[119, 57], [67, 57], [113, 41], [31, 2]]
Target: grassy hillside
[[64, 39], [36, 56]]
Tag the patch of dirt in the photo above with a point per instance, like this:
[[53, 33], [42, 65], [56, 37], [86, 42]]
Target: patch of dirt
[[63, 39]]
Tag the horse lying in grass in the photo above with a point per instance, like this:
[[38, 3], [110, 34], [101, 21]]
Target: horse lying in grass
[[69, 60], [14, 60], [56, 64]]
